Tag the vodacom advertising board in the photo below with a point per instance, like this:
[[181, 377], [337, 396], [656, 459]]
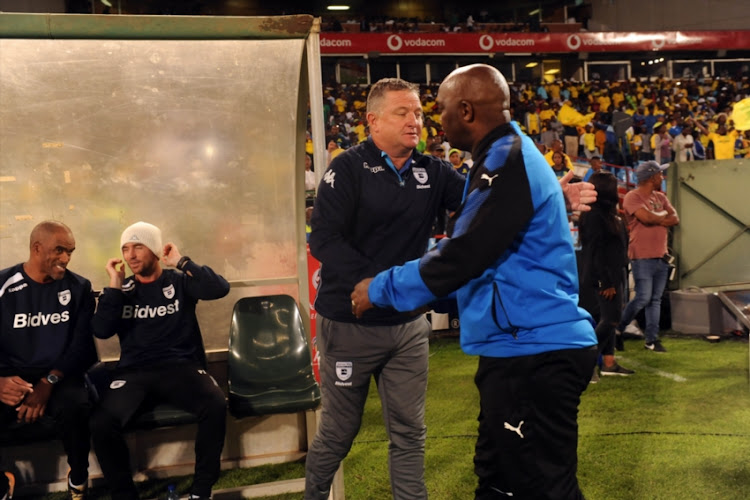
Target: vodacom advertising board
[[472, 43]]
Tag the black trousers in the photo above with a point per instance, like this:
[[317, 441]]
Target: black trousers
[[184, 385], [528, 428], [610, 312], [67, 413]]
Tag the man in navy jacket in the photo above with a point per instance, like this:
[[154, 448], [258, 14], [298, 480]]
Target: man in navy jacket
[[46, 346], [511, 263], [375, 208], [161, 354]]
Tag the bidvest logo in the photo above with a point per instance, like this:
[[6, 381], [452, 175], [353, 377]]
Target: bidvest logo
[[25, 320], [145, 312]]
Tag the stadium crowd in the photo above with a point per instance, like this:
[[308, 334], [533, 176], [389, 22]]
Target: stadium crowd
[[622, 122]]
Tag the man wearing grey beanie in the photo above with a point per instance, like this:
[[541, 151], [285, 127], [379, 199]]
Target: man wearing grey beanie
[[161, 354]]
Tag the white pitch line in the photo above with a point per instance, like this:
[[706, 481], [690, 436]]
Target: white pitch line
[[640, 366]]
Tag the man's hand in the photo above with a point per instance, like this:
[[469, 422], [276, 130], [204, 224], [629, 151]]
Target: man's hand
[[608, 293], [116, 274], [35, 403], [360, 298], [580, 194], [13, 390], [171, 255]]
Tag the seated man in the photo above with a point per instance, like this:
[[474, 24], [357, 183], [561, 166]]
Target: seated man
[[161, 354], [45, 348]]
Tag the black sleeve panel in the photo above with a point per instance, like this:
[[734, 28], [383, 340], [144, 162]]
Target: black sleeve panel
[[491, 219]]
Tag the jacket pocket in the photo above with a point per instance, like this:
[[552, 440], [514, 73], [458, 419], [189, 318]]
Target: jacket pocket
[[499, 313]]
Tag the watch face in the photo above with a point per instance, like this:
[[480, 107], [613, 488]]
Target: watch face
[[52, 378]]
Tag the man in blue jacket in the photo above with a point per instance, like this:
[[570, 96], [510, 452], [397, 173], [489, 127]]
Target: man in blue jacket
[[375, 208], [510, 261]]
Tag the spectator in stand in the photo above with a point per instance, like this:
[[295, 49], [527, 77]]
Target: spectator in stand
[[649, 216], [683, 144], [722, 141], [662, 145], [557, 164], [46, 346], [548, 135], [456, 158], [557, 147], [604, 258], [161, 354], [588, 142], [595, 166]]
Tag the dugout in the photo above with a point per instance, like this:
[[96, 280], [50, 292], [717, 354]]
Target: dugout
[[711, 243], [195, 124]]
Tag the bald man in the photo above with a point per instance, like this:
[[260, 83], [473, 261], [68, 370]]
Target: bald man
[[517, 295], [46, 345]]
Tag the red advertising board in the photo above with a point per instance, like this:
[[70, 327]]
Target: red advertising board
[[313, 280], [473, 43]]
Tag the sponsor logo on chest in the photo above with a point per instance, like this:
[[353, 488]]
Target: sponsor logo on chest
[[150, 312]]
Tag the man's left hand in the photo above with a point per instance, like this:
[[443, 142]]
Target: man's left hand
[[33, 406], [360, 298], [579, 194], [171, 255]]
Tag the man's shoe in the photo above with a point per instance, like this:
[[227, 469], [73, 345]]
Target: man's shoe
[[11, 480], [616, 370], [633, 331], [78, 493], [655, 346]]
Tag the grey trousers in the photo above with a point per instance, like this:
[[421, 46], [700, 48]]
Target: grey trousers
[[397, 356]]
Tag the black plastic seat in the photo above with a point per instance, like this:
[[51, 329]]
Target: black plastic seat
[[269, 368]]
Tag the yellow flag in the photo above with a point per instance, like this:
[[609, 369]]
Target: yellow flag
[[741, 115], [572, 118]]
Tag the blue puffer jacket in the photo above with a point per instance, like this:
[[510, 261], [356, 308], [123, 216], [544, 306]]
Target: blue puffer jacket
[[510, 258]]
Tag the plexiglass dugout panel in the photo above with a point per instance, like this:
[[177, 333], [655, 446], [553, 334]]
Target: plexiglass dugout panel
[[197, 137]]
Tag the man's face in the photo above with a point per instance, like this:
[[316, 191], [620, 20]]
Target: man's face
[[140, 259], [596, 164], [54, 252], [396, 127], [450, 118]]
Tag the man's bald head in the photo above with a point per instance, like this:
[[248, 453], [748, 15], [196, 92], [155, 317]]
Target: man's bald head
[[474, 100]]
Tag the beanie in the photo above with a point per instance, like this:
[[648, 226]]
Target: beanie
[[144, 233]]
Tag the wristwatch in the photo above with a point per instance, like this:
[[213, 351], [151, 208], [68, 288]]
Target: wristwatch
[[52, 378]]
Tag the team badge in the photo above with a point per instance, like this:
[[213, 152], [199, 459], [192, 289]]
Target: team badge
[[168, 291], [64, 297], [344, 370], [420, 174]]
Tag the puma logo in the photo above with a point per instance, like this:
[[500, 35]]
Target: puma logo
[[517, 430], [488, 179]]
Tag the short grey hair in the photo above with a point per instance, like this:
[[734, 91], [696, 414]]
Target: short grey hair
[[379, 89]]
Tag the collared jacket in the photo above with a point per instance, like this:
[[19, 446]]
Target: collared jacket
[[369, 217], [510, 258]]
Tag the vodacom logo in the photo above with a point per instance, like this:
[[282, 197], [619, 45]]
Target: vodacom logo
[[573, 41], [394, 42], [658, 43], [486, 42]]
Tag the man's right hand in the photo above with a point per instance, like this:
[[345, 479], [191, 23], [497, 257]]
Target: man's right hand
[[13, 390], [116, 275]]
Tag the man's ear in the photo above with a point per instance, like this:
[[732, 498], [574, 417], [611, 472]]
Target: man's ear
[[467, 111]]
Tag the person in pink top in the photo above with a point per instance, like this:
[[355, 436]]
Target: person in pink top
[[649, 216]]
